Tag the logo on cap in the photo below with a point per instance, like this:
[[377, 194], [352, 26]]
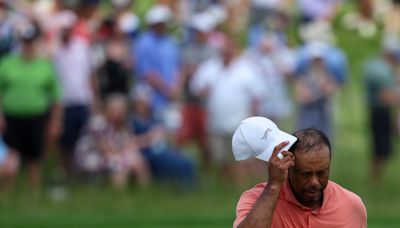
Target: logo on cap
[[266, 133]]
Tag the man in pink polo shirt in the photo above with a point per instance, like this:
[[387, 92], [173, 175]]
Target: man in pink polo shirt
[[299, 193]]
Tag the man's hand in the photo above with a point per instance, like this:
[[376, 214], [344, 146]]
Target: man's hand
[[278, 168], [263, 210]]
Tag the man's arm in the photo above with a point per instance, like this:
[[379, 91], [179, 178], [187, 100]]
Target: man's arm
[[262, 213]]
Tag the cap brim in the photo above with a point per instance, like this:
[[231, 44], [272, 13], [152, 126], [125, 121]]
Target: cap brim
[[283, 136]]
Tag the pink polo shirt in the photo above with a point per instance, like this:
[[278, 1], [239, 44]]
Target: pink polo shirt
[[340, 208]]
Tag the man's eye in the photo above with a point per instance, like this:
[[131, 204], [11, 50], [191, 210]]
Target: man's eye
[[322, 173]]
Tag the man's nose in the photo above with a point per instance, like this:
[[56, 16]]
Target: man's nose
[[314, 181]]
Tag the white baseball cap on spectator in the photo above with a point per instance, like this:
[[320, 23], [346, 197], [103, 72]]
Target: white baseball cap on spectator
[[158, 14], [257, 137], [217, 13], [67, 19], [128, 23], [317, 49], [202, 22]]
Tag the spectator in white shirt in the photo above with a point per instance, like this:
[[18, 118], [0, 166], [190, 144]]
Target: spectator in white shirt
[[233, 88], [74, 68]]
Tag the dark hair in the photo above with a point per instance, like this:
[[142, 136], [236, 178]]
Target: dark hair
[[310, 140]]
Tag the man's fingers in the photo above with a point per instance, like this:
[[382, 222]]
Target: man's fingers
[[286, 158], [278, 148], [287, 164], [287, 154]]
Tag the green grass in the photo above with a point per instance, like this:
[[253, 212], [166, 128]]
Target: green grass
[[213, 205]]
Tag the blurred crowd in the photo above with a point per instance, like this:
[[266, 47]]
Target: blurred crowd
[[157, 97]]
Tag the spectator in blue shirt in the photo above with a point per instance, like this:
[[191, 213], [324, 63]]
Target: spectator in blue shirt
[[157, 56]]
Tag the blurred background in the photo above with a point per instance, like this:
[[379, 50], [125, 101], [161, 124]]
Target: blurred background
[[120, 113]]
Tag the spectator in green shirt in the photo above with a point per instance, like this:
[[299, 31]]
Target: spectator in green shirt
[[29, 95], [382, 96]]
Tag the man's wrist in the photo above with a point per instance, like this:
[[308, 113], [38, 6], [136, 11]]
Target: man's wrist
[[274, 186]]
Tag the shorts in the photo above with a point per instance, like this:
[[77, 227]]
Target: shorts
[[193, 125], [75, 118], [221, 149], [26, 135], [381, 127]]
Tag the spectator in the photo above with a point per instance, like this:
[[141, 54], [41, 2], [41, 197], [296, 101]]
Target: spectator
[[382, 96], [30, 95], [84, 28], [107, 146], [267, 16], [157, 56], [167, 164], [392, 19], [127, 21], [194, 52], [73, 66], [115, 74], [315, 85], [233, 88], [276, 63], [334, 58]]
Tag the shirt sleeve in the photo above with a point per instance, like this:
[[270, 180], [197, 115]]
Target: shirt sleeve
[[202, 78], [361, 211], [245, 205]]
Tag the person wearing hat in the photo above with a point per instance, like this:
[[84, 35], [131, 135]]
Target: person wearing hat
[[157, 58], [167, 163], [233, 88], [315, 86], [30, 94], [382, 96], [298, 192], [194, 52], [73, 66]]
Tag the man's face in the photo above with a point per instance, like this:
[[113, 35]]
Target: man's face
[[309, 177], [229, 50], [159, 28]]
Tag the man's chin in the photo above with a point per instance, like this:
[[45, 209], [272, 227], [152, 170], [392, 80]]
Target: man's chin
[[312, 198]]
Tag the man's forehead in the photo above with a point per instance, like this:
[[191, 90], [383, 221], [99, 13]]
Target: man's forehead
[[312, 159]]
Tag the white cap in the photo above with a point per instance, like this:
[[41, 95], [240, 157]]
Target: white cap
[[217, 13], [128, 23], [67, 19], [257, 137], [202, 22], [317, 49], [158, 14]]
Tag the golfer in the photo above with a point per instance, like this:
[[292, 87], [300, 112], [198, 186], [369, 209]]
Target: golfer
[[298, 192]]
